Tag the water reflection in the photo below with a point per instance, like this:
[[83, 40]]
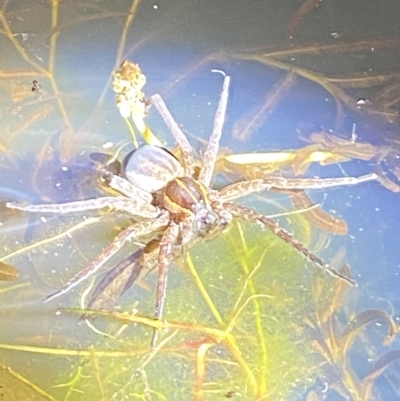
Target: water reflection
[[253, 321]]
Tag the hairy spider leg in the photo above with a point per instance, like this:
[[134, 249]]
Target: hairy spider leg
[[210, 155], [123, 186], [180, 137], [243, 188], [250, 215], [168, 239], [136, 230], [139, 264], [136, 207]]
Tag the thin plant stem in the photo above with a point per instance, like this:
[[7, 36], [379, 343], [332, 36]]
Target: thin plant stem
[[203, 291], [50, 239], [132, 131], [122, 42], [14, 287], [20, 48], [262, 377], [27, 383], [228, 339]]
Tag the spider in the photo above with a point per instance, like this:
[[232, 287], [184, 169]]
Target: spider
[[169, 196]]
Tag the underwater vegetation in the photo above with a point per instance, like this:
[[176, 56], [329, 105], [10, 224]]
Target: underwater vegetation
[[246, 316]]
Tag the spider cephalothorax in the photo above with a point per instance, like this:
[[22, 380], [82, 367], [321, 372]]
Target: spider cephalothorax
[[189, 198]]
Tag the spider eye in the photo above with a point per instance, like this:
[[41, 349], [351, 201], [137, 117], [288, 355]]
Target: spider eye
[[150, 168]]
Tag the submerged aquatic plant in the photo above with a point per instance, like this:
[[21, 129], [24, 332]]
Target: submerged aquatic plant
[[229, 326]]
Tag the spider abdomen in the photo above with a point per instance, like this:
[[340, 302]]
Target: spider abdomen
[[150, 167]]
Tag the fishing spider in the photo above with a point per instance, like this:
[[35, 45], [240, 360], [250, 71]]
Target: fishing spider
[[167, 195]]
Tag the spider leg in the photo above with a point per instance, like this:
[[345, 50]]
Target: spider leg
[[136, 230], [168, 239], [251, 215], [210, 155], [187, 151], [136, 207], [124, 187], [244, 188]]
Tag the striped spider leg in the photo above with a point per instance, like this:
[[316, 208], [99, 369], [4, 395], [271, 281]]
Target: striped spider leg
[[210, 155], [211, 152], [250, 215], [187, 151], [135, 231], [237, 190], [127, 272], [137, 207], [137, 204], [243, 188], [155, 220]]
